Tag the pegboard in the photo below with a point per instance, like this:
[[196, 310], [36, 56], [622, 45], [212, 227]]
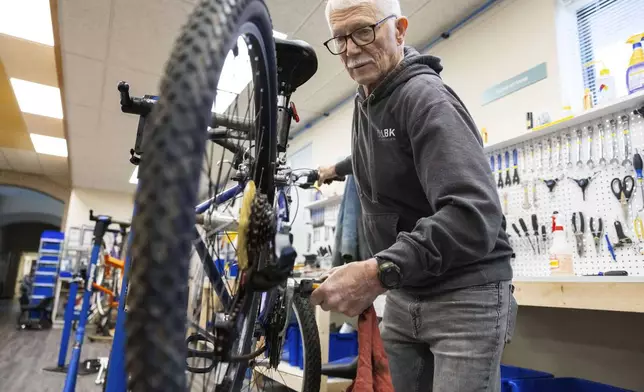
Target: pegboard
[[577, 153]]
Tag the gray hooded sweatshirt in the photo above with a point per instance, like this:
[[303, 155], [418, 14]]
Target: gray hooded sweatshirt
[[428, 198]]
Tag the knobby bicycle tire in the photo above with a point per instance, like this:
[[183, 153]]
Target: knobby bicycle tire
[[311, 342], [168, 183]]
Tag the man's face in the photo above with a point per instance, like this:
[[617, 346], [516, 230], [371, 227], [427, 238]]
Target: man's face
[[368, 64]]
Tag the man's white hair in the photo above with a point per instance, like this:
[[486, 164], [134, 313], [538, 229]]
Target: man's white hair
[[383, 7]]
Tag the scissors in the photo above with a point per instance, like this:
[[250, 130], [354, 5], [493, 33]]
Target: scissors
[[623, 190], [578, 231]]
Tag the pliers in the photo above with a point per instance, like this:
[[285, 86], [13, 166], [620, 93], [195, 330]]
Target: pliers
[[578, 231], [597, 234]]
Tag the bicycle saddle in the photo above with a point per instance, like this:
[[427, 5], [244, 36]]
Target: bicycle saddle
[[296, 64], [341, 370]]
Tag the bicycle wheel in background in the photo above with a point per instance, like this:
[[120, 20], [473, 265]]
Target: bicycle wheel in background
[[178, 169]]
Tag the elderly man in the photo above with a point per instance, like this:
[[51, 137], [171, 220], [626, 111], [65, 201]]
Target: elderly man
[[430, 209]]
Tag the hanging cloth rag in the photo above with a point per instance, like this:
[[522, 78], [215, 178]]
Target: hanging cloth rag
[[350, 242], [373, 367]]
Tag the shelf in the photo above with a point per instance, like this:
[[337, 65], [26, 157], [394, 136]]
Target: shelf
[[613, 293], [335, 199], [291, 376], [623, 103]]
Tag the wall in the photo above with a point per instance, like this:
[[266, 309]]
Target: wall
[[510, 38], [117, 205], [35, 182]]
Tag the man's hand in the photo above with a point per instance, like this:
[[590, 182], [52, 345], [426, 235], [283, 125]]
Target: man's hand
[[349, 289], [325, 173]]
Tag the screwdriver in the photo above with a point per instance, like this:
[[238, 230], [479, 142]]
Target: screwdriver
[[544, 238], [525, 231], [535, 227], [637, 163]]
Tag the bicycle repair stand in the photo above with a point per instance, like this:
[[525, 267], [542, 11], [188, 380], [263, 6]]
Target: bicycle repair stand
[[116, 375], [102, 223], [88, 367]]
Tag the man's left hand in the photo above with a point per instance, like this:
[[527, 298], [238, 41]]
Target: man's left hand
[[349, 289]]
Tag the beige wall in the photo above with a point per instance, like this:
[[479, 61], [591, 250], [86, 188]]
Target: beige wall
[[117, 205], [35, 182], [508, 39]]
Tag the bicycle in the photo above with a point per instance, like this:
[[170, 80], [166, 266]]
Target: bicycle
[[165, 339]]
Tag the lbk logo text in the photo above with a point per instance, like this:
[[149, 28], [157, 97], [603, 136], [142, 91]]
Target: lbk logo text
[[386, 133]]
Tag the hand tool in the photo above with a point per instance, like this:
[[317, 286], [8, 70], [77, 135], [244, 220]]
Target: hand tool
[[580, 163], [578, 231], [538, 162], [610, 247], [534, 193], [492, 166], [505, 203], [590, 163], [530, 155], [597, 233], [602, 141], [516, 230], [526, 196], [583, 183], [544, 238], [508, 180], [624, 120], [559, 153], [637, 163], [622, 239], [613, 137], [610, 273], [549, 149], [623, 190], [499, 162], [569, 147], [515, 161], [527, 235], [639, 233], [551, 184], [535, 227]]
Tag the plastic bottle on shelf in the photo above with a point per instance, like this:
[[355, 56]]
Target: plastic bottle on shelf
[[606, 87], [588, 99], [635, 71], [560, 253]]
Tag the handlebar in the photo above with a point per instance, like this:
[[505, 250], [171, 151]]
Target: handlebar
[[108, 219], [312, 176]]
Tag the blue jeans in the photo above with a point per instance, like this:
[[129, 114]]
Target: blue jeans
[[451, 342]]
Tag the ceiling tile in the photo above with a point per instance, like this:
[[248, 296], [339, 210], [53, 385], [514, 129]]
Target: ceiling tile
[[289, 15], [43, 125], [143, 32], [81, 121], [28, 60], [140, 84], [23, 161], [83, 80], [85, 27]]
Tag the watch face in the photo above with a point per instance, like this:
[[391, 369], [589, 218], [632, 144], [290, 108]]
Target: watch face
[[389, 275]]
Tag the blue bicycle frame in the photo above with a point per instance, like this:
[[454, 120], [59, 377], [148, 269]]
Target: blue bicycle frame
[[116, 374]]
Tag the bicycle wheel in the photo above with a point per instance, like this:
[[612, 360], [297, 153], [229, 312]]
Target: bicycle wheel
[[171, 177], [264, 375]]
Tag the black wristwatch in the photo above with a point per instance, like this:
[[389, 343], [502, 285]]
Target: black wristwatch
[[388, 274]]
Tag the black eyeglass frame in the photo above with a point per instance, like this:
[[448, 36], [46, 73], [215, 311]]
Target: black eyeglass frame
[[350, 35]]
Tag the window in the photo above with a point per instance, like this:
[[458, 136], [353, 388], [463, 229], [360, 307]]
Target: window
[[603, 26]]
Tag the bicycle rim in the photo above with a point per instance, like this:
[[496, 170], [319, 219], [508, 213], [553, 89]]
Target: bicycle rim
[[172, 180]]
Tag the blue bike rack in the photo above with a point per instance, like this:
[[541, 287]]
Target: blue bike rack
[[70, 316]]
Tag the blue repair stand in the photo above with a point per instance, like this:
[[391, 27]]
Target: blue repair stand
[[116, 375], [70, 316]]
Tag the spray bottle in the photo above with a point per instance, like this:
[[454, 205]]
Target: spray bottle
[[635, 71], [560, 251]]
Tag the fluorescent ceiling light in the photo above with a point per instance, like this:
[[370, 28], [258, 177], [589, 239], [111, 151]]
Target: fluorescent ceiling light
[[49, 145], [278, 34], [37, 98], [27, 19], [134, 178]]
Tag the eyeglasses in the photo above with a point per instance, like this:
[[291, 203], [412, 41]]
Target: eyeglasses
[[361, 37]]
